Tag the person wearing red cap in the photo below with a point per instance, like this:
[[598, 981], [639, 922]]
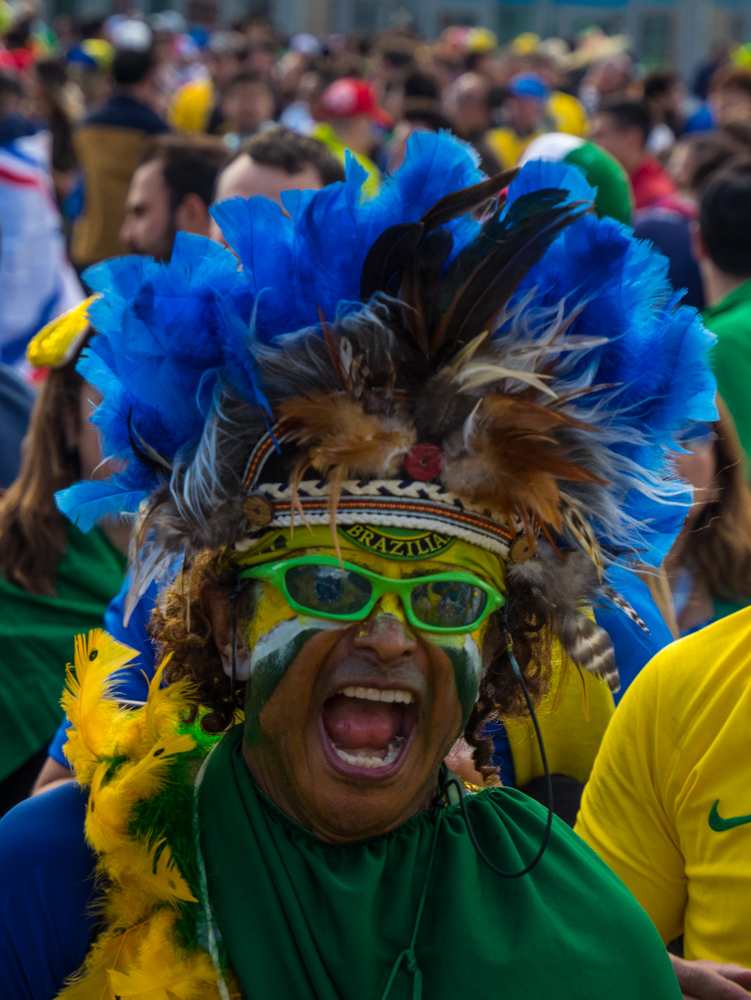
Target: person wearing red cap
[[351, 109]]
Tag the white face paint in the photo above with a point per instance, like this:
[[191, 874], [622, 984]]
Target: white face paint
[[286, 634]]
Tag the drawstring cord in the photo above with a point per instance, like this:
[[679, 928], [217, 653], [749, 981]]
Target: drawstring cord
[[408, 955]]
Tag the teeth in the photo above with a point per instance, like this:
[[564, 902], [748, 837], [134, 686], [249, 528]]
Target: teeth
[[360, 760], [376, 694]]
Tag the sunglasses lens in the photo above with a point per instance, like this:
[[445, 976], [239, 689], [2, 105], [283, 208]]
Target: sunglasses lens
[[328, 590], [448, 603]]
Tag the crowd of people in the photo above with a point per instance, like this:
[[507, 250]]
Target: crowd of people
[[416, 501]]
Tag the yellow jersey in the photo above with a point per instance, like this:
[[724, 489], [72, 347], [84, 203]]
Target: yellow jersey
[[668, 806], [565, 114]]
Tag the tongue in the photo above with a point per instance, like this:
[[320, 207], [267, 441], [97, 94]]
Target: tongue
[[356, 724]]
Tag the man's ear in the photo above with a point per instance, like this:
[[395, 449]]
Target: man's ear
[[192, 215], [215, 605], [698, 246]]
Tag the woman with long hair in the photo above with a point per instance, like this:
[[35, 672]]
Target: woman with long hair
[[709, 566], [54, 581]]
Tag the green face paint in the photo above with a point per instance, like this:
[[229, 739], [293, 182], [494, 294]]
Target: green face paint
[[269, 662], [464, 654]]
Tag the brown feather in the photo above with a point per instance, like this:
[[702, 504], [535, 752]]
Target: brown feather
[[589, 646], [467, 200], [420, 286], [509, 460], [338, 432]]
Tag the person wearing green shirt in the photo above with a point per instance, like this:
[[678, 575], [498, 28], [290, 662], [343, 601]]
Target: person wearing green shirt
[[385, 503], [723, 246], [54, 580]]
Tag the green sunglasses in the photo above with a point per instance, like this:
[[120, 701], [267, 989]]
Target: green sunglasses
[[441, 602]]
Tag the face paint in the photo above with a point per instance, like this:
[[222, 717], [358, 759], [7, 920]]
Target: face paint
[[275, 636], [464, 651]]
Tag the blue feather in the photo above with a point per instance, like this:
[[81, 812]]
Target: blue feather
[[173, 337], [312, 257], [537, 175], [87, 502], [654, 356]]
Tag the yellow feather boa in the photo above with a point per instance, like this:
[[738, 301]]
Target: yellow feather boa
[[126, 758]]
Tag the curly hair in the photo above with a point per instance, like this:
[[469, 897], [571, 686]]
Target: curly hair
[[181, 626]]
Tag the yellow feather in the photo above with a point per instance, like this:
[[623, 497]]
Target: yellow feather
[[139, 955], [110, 950], [58, 341], [166, 707], [167, 880], [126, 904], [143, 880], [87, 703], [161, 971], [111, 803]]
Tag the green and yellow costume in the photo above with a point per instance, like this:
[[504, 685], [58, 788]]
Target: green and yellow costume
[[213, 892]]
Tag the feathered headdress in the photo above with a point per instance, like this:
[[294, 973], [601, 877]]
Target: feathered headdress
[[498, 366]]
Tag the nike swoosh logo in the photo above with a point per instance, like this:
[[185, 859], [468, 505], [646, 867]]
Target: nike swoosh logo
[[720, 825]]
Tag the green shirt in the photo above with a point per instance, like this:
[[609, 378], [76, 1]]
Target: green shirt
[[305, 919], [36, 641], [730, 320]]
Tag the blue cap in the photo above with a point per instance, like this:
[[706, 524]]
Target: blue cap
[[528, 85]]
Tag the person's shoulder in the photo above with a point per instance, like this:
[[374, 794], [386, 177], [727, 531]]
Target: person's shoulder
[[41, 830], [605, 942], [46, 891], [525, 821], [125, 112], [695, 673], [731, 317], [569, 871]]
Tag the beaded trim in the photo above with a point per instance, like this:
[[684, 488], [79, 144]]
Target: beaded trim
[[405, 504]]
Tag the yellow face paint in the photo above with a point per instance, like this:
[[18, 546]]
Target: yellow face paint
[[365, 550]]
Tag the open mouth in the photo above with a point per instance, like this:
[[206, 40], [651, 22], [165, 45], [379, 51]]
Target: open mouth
[[366, 730]]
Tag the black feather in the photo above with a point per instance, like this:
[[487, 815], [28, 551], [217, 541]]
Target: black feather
[[491, 284], [496, 230], [387, 258], [451, 206], [421, 283]]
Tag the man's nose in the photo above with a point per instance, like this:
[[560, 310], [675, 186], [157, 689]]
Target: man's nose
[[386, 634]]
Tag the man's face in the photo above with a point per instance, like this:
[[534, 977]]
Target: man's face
[[347, 723], [149, 227], [244, 178], [525, 113], [466, 104], [623, 144], [731, 105], [223, 66], [248, 105]]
